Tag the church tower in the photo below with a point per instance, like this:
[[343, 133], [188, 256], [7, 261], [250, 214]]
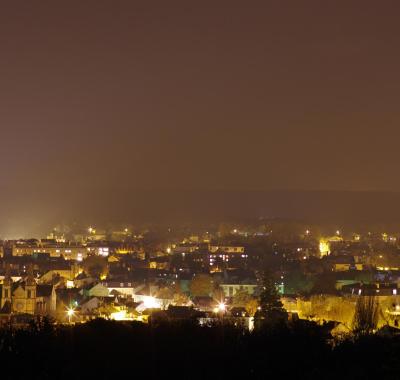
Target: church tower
[[30, 289], [6, 289]]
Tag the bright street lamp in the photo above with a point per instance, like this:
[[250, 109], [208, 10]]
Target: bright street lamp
[[221, 307], [70, 313]]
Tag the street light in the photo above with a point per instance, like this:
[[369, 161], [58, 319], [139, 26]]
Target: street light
[[70, 313], [221, 307]]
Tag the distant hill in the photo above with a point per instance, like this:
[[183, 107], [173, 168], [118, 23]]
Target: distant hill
[[179, 206]]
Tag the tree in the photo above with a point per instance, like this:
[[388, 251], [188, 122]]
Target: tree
[[96, 266], [165, 293], [218, 294], [180, 298], [252, 306], [201, 285], [241, 298], [325, 283], [271, 309], [244, 299], [297, 282], [366, 315]]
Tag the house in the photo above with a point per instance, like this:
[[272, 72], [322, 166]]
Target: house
[[161, 262], [83, 280], [182, 313], [235, 283], [227, 256], [98, 290], [46, 300], [123, 288], [90, 305], [231, 289], [204, 303], [226, 249], [113, 259], [150, 297], [48, 277], [375, 289]]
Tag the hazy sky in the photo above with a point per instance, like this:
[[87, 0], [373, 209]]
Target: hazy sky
[[98, 96]]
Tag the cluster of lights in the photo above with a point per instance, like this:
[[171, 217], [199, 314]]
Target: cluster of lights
[[104, 251]]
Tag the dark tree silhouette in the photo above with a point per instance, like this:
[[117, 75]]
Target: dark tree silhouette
[[365, 316], [270, 311]]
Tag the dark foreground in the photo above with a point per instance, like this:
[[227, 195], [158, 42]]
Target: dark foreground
[[114, 350]]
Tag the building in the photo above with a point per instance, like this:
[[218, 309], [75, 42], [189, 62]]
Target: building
[[53, 249], [231, 288], [68, 250], [26, 297], [125, 289], [226, 249]]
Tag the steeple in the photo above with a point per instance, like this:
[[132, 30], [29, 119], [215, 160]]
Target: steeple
[[7, 278], [30, 280], [7, 287], [30, 289]]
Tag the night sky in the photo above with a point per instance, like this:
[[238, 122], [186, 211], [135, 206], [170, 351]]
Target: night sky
[[102, 100]]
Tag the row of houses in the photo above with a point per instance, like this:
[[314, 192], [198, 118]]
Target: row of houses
[[58, 291]]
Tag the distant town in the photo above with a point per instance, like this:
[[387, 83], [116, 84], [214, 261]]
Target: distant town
[[144, 274]]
